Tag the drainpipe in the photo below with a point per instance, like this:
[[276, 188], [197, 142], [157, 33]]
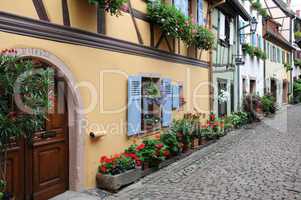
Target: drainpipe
[[210, 71], [238, 66]]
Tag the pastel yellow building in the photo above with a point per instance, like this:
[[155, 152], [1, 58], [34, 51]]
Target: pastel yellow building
[[99, 59]]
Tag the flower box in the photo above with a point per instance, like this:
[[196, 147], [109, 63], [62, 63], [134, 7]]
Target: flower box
[[115, 182]]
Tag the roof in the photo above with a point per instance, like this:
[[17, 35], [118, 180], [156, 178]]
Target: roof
[[234, 8], [278, 39], [284, 7]]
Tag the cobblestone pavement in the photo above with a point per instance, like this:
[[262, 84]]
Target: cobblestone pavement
[[263, 163]]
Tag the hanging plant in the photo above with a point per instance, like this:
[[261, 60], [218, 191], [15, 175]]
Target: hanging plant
[[174, 23], [203, 38], [256, 5], [33, 93], [254, 51], [114, 7]]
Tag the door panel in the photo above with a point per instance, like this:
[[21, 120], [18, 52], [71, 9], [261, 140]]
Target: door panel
[[15, 171], [49, 169]]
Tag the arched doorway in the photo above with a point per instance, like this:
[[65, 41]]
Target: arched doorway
[[54, 162]]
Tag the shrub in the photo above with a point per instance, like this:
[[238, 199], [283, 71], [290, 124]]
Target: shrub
[[268, 103], [111, 6], [297, 91], [238, 119]]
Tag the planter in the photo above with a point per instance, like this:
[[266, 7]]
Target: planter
[[195, 143], [114, 183]]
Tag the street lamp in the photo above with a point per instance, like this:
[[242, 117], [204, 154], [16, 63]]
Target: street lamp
[[253, 25]]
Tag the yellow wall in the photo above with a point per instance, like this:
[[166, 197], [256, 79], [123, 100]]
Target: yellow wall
[[86, 64], [84, 16]]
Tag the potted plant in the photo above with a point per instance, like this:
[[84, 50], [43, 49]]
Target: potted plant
[[169, 139], [15, 121], [114, 7], [117, 171]]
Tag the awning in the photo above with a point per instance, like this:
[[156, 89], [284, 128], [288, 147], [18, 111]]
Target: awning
[[234, 8]]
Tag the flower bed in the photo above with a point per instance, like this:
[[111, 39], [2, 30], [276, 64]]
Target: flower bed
[[174, 144]]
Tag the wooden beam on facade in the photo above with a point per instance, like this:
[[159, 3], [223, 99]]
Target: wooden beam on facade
[[66, 16], [135, 23], [267, 7], [101, 20], [40, 9]]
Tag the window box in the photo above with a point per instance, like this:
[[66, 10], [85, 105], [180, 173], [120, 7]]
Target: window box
[[115, 182]]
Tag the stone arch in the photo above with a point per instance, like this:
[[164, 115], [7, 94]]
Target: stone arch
[[75, 117]]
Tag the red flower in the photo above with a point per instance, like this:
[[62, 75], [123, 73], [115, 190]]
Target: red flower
[[140, 147], [159, 146], [212, 117], [103, 158], [166, 153], [138, 163], [103, 169]]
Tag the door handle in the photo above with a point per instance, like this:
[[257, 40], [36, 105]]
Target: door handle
[[49, 134]]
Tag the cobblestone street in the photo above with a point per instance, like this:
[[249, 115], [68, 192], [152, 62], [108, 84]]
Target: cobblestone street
[[261, 163]]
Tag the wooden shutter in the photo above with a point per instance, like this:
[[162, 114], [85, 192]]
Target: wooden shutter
[[167, 103], [134, 105], [200, 12], [175, 96], [222, 24]]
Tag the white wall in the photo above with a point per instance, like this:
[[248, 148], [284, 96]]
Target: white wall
[[253, 69]]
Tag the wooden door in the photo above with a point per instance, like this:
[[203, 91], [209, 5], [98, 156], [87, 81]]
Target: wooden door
[[39, 171], [48, 155]]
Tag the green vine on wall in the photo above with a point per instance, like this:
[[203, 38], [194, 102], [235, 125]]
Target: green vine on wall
[[288, 67]]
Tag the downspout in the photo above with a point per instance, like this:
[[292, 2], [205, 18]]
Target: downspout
[[210, 71], [238, 66]]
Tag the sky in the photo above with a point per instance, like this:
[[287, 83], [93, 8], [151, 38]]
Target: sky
[[296, 4]]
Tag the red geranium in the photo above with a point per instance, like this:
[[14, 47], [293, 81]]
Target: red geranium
[[166, 153], [103, 169], [212, 117], [159, 146], [140, 147]]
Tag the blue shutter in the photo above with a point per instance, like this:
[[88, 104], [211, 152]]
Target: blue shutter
[[200, 12], [134, 105], [175, 96], [260, 42], [242, 32], [254, 39], [167, 103]]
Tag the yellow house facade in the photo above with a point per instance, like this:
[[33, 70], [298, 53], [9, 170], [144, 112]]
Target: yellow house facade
[[96, 56]]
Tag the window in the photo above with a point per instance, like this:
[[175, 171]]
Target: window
[[244, 86], [150, 103], [222, 26], [252, 86], [200, 12], [278, 56], [283, 57], [268, 50], [182, 5]]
